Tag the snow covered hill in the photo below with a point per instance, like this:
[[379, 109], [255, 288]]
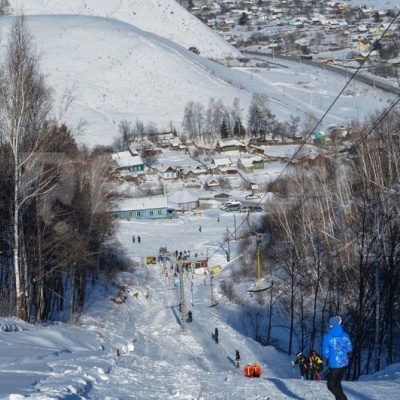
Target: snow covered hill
[[118, 71], [165, 18]]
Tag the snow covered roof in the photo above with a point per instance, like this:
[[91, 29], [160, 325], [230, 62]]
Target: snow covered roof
[[223, 161], [143, 203], [248, 161], [229, 142], [182, 197], [124, 159]]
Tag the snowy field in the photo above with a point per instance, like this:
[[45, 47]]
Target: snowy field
[[157, 360]]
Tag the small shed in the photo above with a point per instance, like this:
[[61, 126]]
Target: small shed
[[195, 263], [212, 183]]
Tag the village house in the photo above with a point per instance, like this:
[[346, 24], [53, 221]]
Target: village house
[[125, 161], [363, 44], [211, 183], [183, 200], [192, 172], [168, 172], [161, 139], [142, 208], [230, 145], [176, 144], [372, 56], [221, 165], [222, 161], [250, 164], [319, 139]]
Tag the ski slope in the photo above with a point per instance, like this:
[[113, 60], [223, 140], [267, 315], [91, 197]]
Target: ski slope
[[157, 361]]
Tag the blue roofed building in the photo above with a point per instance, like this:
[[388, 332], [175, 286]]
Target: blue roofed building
[[143, 208]]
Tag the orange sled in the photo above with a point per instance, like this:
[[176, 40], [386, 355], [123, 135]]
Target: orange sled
[[248, 371]]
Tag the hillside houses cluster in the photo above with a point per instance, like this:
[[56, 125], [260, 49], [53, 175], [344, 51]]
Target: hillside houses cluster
[[269, 24], [176, 164], [231, 156]]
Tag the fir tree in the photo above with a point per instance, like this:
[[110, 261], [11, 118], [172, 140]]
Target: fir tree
[[238, 130], [224, 130]]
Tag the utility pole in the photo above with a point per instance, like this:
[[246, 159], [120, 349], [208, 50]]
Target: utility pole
[[234, 219], [182, 291], [258, 242], [228, 256]]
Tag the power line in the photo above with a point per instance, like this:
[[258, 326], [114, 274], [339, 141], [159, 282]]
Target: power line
[[380, 119], [315, 127]]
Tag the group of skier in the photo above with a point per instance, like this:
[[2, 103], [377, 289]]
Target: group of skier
[[310, 367], [336, 347]]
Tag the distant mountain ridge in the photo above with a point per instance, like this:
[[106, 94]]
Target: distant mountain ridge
[[165, 18]]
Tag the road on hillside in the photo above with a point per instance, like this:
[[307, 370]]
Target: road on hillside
[[372, 81]]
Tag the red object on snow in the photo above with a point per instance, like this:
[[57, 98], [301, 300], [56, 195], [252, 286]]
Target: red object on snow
[[257, 370], [248, 371], [252, 371]]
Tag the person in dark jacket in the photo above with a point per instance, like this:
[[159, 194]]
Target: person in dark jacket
[[303, 365], [237, 357], [336, 346], [216, 335]]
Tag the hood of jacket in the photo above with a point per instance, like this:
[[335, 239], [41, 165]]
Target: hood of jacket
[[336, 330]]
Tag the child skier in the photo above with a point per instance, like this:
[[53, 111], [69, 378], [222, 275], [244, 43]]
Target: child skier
[[303, 365], [315, 365]]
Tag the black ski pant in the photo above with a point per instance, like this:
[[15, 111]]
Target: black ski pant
[[335, 377]]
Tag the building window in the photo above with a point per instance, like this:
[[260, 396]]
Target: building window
[[138, 213], [159, 212], [151, 212]]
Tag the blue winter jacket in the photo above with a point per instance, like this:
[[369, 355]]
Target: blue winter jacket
[[336, 345]]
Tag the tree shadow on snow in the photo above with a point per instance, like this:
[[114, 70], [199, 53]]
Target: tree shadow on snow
[[280, 385], [177, 314]]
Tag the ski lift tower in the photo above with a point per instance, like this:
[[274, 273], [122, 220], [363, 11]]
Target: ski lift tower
[[258, 243], [259, 288]]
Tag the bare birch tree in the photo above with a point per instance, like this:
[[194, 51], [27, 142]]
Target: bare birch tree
[[25, 106]]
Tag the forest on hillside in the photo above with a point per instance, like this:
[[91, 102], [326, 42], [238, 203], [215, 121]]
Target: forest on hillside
[[332, 248], [56, 234]]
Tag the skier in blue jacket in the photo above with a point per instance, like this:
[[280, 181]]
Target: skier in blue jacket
[[336, 346]]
